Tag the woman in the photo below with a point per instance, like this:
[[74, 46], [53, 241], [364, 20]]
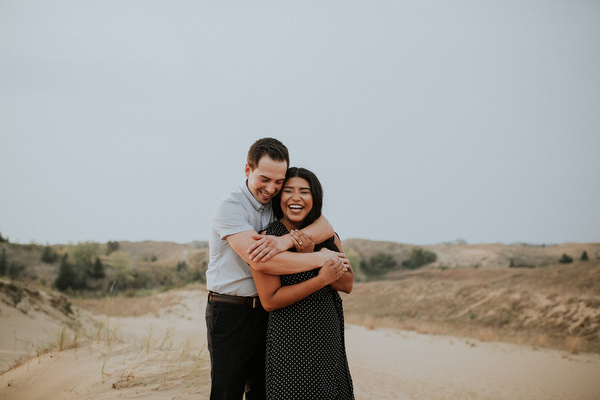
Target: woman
[[306, 355]]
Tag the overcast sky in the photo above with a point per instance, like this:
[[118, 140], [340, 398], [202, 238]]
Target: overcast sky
[[426, 121]]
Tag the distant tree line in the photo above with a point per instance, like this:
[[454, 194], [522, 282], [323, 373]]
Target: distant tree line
[[74, 271], [81, 269], [564, 259]]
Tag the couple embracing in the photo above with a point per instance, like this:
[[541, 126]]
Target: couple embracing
[[274, 316]]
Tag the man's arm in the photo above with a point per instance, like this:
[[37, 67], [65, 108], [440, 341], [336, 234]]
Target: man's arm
[[264, 247], [282, 263]]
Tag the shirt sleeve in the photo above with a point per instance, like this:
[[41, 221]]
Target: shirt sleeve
[[230, 218]]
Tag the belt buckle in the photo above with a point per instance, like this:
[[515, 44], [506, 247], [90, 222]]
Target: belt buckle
[[254, 302]]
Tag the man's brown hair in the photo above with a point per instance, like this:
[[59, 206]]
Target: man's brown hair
[[269, 147]]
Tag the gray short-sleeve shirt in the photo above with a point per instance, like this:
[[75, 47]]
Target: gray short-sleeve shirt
[[227, 272]]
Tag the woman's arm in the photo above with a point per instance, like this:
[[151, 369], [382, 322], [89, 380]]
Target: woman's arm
[[273, 295], [346, 282]]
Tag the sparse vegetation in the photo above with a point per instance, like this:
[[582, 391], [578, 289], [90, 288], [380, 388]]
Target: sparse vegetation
[[15, 270], [129, 273]]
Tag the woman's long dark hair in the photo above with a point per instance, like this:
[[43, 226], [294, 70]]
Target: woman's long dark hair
[[315, 188]]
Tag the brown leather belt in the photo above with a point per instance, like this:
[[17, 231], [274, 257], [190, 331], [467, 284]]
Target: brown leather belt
[[253, 302]]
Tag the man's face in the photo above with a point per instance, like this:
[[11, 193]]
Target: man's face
[[266, 179]]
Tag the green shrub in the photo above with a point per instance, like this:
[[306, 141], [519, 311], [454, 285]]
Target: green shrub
[[378, 264], [419, 257], [584, 256], [565, 259]]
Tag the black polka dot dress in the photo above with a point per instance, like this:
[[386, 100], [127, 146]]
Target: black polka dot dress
[[306, 353]]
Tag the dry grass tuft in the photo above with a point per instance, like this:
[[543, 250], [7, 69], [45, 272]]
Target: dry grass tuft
[[541, 341], [158, 363], [486, 335], [573, 345]]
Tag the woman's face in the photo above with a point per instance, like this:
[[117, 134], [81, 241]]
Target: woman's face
[[296, 201]]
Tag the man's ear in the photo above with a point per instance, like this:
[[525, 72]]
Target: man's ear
[[247, 170]]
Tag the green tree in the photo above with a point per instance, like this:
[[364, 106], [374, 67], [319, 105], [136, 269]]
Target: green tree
[[419, 257], [3, 263], [3, 239], [584, 256], [111, 247], [83, 256], [66, 275], [49, 255], [98, 271]]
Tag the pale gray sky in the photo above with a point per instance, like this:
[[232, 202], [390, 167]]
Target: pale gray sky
[[426, 121]]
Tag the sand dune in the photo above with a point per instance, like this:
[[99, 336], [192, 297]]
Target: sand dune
[[162, 356]]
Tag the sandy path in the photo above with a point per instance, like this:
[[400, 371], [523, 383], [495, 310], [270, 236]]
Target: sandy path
[[157, 358]]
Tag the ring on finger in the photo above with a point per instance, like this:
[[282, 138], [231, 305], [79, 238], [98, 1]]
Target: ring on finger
[[300, 242]]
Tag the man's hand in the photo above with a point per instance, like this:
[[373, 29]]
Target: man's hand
[[302, 241], [267, 246]]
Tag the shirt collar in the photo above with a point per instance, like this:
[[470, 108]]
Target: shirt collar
[[255, 203]]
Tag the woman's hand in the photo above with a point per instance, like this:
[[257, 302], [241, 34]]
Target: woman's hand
[[331, 271], [302, 241]]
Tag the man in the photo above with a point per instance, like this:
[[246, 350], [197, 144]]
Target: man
[[236, 323]]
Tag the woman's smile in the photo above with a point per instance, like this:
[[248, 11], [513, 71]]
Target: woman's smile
[[296, 201]]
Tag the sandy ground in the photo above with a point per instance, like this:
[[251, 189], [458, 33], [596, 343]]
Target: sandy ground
[[163, 357]]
